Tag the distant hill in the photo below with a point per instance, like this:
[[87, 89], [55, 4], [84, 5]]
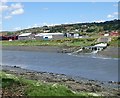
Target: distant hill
[[94, 27]]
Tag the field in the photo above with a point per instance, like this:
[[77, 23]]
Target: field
[[64, 42], [82, 42]]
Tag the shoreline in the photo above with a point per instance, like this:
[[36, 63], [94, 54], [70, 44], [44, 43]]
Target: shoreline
[[111, 52], [83, 85]]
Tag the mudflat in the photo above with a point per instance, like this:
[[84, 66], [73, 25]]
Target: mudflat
[[108, 52], [111, 52], [32, 48]]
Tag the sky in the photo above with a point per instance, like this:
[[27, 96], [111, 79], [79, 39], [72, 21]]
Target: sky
[[23, 15]]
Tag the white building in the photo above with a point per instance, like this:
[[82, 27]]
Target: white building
[[76, 35], [49, 36], [106, 34], [25, 36]]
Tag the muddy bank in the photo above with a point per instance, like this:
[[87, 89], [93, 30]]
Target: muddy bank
[[58, 49], [108, 52], [80, 86], [32, 48]]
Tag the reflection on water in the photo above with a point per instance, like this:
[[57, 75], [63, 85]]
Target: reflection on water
[[85, 65]]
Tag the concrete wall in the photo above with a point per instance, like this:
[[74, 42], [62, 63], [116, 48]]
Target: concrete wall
[[30, 37], [39, 37], [57, 37], [53, 37], [47, 37]]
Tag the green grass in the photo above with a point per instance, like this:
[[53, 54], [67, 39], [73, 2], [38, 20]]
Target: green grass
[[115, 42], [36, 88], [28, 43], [82, 42], [66, 42]]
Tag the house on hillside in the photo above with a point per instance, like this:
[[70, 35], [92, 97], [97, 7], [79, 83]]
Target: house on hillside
[[12, 37], [107, 34], [8, 37], [47, 36], [114, 34], [76, 35], [72, 35], [26, 36], [110, 34]]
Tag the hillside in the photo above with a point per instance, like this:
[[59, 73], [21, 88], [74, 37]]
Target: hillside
[[94, 27]]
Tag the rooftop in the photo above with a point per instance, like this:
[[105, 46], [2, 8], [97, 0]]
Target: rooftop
[[48, 34], [25, 34]]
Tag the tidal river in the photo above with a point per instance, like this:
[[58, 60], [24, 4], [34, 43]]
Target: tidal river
[[87, 66]]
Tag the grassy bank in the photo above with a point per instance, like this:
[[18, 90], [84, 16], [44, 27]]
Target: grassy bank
[[64, 42], [82, 42], [19, 86], [115, 42]]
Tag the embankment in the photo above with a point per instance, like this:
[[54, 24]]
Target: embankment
[[108, 52], [90, 86]]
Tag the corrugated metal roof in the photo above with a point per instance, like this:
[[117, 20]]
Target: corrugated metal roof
[[25, 34], [48, 34]]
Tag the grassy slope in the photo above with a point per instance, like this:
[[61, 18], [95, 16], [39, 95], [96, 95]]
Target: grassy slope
[[64, 42], [18, 86], [67, 42], [115, 42]]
